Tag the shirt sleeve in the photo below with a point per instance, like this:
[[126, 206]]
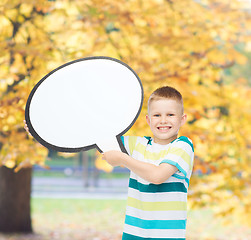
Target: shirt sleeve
[[180, 155], [129, 143]]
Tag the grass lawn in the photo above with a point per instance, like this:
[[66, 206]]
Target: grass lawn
[[87, 219], [81, 216]]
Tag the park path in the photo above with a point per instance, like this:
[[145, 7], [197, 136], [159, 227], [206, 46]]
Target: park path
[[70, 187]]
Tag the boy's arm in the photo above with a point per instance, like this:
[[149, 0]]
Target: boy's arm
[[149, 172]]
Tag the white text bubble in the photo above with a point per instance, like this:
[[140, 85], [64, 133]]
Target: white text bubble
[[83, 104]]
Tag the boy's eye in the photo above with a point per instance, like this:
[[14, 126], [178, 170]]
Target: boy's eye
[[156, 115], [170, 115]]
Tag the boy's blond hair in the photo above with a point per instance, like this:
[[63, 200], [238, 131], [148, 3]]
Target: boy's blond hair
[[166, 92]]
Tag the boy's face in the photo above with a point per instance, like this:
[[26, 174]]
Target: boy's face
[[165, 117]]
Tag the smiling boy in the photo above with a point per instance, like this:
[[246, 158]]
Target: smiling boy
[[160, 171]]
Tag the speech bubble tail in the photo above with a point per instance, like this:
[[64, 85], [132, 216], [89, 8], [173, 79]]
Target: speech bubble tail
[[108, 145]]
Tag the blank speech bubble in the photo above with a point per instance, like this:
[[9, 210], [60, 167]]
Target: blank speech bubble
[[87, 103]]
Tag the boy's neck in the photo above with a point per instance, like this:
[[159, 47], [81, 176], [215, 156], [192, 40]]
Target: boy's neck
[[164, 141]]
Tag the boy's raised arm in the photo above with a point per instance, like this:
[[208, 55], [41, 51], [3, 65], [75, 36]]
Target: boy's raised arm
[[147, 171]]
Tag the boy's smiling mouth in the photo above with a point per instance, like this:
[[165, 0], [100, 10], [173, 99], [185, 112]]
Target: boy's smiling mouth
[[164, 128]]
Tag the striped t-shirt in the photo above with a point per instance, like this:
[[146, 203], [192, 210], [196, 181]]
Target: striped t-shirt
[[158, 211]]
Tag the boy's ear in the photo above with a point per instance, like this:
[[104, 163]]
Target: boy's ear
[[148, 120], [184, 119]]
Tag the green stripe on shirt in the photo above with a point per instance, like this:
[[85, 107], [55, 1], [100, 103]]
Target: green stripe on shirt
[[155, 224], [185, 139], [154, 188], [127, 236]]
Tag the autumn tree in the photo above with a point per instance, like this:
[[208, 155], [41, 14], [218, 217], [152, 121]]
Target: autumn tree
[[26, 51], [186, 44]]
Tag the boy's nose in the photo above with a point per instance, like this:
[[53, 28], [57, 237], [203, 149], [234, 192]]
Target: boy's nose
[[163, 119]]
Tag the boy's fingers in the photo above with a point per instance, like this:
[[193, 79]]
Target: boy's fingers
[[26, 128]]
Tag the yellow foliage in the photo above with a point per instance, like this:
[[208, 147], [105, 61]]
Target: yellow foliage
[[186, 44]]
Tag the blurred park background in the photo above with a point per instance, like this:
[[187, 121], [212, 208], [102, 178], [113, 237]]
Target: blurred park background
[[200, 47]]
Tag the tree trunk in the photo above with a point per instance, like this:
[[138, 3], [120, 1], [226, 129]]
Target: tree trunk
[[15, 190]]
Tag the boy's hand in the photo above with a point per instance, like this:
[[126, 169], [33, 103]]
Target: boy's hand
[[26, 128], [156, 174], [113, 157]]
